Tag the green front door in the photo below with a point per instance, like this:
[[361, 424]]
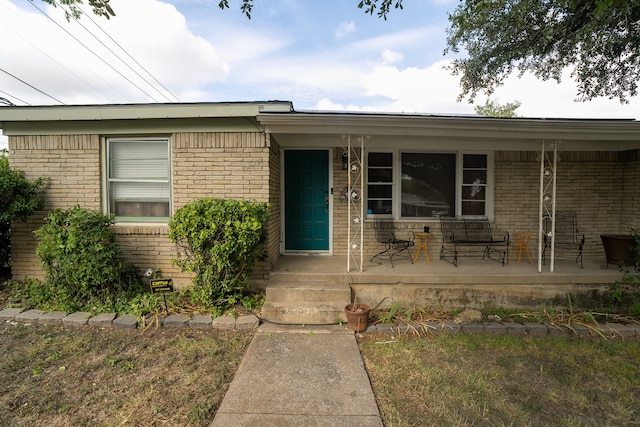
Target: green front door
[[306, 200]]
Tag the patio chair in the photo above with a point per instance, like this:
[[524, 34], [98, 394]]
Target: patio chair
[[567, 237], [394, 248]]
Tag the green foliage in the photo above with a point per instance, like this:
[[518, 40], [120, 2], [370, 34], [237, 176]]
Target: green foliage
[[219, 240], [492, 108], [599, 39], [72, 7], [19, 198], [81, 259], [369, 6]]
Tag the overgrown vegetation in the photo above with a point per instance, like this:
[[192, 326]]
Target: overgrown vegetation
[[219, 240], [83, 265], [19, 198]]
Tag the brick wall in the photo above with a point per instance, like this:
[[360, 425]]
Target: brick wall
[[217, 165], [630, 203], [72, 164], [589, 183]]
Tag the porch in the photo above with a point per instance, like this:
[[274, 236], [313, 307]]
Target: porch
[[318, 287]]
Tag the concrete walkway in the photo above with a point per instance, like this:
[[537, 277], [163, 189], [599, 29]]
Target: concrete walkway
[[297, 376]]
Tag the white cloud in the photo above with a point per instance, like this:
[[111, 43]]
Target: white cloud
[[391, 57], [152, 32], [434, 90], [345, 28]]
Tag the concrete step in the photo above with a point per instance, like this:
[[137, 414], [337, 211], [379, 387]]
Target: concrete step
[[308, 314], [297, 292], [308, 303]]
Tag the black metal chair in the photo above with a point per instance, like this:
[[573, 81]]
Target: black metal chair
[[394, 248], [567, 236]]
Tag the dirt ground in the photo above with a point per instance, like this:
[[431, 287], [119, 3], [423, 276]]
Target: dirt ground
[[61, 376]]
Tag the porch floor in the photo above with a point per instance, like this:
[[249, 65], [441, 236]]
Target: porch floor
[[474, 283], [482, 271]]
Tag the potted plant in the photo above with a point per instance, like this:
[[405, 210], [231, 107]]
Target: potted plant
[[357, 316]]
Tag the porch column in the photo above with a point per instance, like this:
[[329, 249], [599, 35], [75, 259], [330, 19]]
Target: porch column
[[355, 209], [548, 164]]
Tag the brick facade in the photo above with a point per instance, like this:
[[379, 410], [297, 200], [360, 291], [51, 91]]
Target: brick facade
[[217, 165], [602, 187]]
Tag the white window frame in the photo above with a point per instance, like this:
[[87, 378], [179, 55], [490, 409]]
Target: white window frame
[[397, 175], [109, 180]]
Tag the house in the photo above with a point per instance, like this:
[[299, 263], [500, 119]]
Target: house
[[326, 176]]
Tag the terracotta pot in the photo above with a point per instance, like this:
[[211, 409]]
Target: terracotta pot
[[357, 316]]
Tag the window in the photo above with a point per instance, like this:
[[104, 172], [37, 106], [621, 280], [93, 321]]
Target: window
[[474, 184], [379, 183], [138, 178], [430, 184]]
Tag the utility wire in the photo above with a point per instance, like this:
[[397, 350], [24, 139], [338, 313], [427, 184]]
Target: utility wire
[[70, 71], [14, 97], [87, 16], [95, 54], [31, 86]]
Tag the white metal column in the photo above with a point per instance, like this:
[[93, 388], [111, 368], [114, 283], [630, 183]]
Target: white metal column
[[548, 164], [355, 217]]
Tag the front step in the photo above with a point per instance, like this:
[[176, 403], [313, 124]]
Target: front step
[[316, 303]]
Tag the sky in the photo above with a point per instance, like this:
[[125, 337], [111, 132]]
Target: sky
[[324, 55]]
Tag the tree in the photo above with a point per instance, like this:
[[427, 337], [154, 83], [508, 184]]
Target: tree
[[100, 7], [492, 108], [369, 6], [599, 39]]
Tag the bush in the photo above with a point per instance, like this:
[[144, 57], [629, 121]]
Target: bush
[[82, 261], [219, 240], [19, 198]]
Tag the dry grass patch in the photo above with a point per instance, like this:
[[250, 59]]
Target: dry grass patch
[[468, 380], [57, 376]]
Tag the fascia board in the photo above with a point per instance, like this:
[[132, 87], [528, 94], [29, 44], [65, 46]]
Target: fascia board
[[138, 111]]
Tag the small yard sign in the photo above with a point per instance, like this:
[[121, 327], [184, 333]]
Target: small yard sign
[[161, 285]]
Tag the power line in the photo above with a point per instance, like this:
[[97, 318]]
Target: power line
[[129, 55], [95, 54], [67, 69], [14, 97], [31, 86]]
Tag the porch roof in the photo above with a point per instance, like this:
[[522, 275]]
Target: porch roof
[[326, 128]]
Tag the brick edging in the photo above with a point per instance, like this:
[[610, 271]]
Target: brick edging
[[127, 321], [247, 322]]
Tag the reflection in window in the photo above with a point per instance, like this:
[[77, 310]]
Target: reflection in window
[[380, 183], [428, 184], [138, 178], [474, 184]]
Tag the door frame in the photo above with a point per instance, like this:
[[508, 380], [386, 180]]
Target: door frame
[[283, 251]]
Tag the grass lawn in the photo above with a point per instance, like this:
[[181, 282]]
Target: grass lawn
[[64, 376], [469, 380]]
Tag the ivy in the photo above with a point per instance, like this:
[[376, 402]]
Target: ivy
[[219, 240]]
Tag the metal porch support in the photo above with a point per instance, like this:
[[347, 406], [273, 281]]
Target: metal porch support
[[548, 164], [355, 210]]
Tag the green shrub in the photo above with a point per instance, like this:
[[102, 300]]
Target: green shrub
[[82, 262], [19, 198], [219, 241]]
